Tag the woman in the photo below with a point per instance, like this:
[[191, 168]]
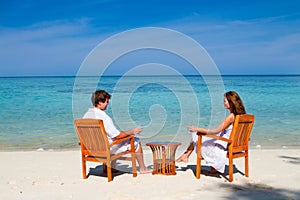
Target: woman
[[214, 151]]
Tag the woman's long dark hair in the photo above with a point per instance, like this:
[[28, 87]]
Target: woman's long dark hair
[[235, 103]]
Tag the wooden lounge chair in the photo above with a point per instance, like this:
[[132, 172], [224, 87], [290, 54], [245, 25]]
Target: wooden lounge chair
[[237, 143], [96, 148]]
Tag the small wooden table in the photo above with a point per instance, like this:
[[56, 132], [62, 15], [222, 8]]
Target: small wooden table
[[164, 157]]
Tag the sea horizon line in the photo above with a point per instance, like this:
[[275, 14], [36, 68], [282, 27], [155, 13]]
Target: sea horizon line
[[155, 75]]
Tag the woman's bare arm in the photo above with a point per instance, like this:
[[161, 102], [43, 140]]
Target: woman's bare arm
[[221, 127]]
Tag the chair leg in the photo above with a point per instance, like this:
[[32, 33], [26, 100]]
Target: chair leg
[[109, 174], [230, 169], [198, 167], [83, 161], [133, 158], [134, 173], [247, 164]]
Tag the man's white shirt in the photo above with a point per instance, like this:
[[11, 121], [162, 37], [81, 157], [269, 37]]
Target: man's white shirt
[[111, 130]]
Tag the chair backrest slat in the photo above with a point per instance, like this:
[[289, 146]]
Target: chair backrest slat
[[241, 130], [92, 136]]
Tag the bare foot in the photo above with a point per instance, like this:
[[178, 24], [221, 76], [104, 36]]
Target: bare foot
[[182, 159], [145, 171]]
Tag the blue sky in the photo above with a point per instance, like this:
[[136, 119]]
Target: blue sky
[[51, 37]]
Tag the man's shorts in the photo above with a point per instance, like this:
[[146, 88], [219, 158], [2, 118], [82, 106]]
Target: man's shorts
[[125, 146]]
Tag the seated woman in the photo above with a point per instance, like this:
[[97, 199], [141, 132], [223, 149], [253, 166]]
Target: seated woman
[[214, 151]]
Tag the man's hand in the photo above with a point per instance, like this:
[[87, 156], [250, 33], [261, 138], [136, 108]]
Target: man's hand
[[132, 131], [136, 130]]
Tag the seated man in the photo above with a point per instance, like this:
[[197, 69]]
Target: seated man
[[100, 100]]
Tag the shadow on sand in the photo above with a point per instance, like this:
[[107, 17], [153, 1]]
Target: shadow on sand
[[249, 191], [258, 191], [290, 159], [98, 171]]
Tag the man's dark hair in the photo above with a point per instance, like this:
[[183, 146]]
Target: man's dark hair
[[100, 96]]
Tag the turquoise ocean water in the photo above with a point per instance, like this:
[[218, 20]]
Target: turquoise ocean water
[[38, 112]]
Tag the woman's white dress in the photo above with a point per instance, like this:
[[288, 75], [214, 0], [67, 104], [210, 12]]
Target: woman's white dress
[[214, 151]]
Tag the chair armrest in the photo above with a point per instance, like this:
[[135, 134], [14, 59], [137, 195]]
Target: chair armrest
[[117, 141], [215, 137]]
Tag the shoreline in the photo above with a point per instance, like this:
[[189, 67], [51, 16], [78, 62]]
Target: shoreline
[[258, 147], [274, 174]]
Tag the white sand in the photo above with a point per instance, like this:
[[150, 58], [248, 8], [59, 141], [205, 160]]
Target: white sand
[[274, 174]]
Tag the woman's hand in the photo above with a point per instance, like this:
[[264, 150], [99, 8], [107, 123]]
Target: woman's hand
[[192, 128]]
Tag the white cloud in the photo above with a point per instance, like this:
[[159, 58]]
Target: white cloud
[[40, 48], [265, 45], [59, 47]]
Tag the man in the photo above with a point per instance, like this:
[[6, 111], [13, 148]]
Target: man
[[100, 100]]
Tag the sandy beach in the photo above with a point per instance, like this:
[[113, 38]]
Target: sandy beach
[[274, 174]]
